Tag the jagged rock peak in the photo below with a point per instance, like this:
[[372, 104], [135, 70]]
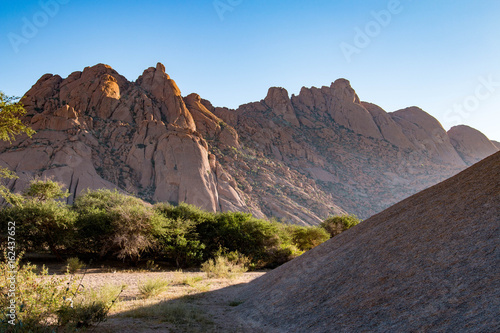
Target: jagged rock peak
[[343, 89], [278, 100], [165, 90], [160, 67]]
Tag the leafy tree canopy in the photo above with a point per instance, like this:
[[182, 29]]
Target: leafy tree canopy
[[10, 123]]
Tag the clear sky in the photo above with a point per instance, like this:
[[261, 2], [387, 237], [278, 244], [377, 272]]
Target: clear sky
[[440, 55]]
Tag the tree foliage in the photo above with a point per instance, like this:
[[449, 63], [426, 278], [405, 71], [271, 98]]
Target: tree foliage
[[10, 123], [110, 221], [337, 224], [307, 238], [42, 221], [111, 224]]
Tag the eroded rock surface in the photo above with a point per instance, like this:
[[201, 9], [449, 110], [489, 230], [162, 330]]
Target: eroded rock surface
[[97, 130], [298, 159]]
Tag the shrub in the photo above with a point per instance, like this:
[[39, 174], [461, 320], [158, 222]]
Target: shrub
[[335, 225], [39, 296], [91, 306], [41, 221], [43, 190], [306, 238], [179, 242], [152, 287], [41, 224], [225, 266], [183, 212], [109, 221], [235, 231], [73, 265]]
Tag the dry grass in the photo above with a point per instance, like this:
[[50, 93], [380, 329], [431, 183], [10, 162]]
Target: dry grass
[[183, 303], [152, 287]]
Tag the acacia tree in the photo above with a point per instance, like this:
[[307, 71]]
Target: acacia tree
[[10, 123], [43, 221], [11, 110]]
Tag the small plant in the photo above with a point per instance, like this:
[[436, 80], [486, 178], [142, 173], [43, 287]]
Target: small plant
[[152, 287], [91, 306], [151, 266], [235, 303], [225, 266], [74, 264], [46, 303], [191, 280]]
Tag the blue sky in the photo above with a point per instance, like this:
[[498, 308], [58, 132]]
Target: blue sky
[[441, 55]]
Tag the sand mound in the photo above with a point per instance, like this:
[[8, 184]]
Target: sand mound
[[428, 263]]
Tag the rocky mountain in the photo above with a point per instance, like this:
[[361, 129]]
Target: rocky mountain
[[471, 145], [298, 158], [428, 263]]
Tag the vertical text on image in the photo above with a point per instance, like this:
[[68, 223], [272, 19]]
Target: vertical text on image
[[12, 272]]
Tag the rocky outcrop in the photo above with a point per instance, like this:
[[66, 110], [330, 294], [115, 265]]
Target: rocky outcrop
[[340, 103], [278, 101], [427, 135], [471, 144], [298, 159], [390, 130], [428, 263], [97, 130], [352, 153]]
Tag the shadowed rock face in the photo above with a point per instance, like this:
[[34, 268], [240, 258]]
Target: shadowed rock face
[[471, 144], [298, 158], [365, 158], [427, 134], [428, 263]]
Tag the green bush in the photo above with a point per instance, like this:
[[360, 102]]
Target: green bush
[[235, 231], [335, 225], [73, 265], [39, 296], [109, 221], [179, 243], [43, 190], [41, 221], [306, 238], [41, 224], [183, 212]]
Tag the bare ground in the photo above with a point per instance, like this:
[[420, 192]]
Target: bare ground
[[192, 302]]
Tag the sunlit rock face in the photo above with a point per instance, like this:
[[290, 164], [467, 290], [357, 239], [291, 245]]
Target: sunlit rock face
[[295, 158]]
